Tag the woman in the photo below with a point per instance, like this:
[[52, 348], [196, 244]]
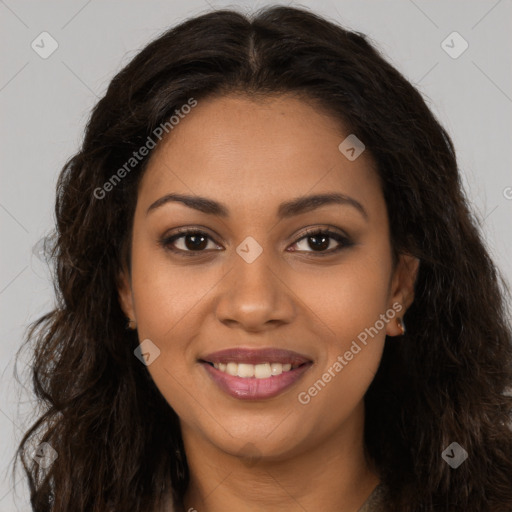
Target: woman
[[271, 291]]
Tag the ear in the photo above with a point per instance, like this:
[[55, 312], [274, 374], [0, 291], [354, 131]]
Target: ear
[[402, 288], [124, 290]]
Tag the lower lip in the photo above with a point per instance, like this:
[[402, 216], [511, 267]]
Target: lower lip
[[251, 388]]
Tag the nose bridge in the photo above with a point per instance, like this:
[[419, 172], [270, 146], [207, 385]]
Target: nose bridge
[[253, 293]]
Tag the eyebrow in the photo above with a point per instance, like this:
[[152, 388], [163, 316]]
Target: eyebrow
[[285, 210]]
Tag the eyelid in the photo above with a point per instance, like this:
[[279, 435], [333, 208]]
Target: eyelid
[[326, 228]]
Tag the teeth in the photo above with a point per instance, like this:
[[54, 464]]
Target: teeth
[[232, 369], [260, 371], [245, 370], [276, 368]]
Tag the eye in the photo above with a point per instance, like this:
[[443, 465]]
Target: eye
[[189, 241], [319, 240]]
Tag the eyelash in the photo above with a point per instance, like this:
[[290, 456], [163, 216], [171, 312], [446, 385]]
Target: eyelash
[[166, 242]]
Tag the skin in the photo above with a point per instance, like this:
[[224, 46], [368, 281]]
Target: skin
[[252, 155]]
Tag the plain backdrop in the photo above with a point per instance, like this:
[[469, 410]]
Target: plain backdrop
[[45, 103]]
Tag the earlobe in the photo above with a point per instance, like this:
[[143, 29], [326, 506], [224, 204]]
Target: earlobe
[[401, 326], [402, 291]]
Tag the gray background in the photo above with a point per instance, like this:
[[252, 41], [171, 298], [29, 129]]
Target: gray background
[[44, 104]]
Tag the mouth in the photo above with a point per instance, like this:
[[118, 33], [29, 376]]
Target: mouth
[[251, 374]]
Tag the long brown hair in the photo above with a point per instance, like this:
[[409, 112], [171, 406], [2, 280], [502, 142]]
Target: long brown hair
[[118, 441]]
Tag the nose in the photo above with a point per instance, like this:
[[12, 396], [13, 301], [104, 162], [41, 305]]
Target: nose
[[255, 296]]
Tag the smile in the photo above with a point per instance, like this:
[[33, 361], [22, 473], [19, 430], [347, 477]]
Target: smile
[[251, 374]]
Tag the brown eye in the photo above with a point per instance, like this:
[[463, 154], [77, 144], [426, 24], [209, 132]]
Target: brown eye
[[188, 241], [320, 240]]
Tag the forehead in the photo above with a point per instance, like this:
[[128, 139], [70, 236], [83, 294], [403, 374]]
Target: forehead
[[248, 152]]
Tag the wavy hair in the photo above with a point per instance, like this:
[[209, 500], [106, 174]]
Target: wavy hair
[[118, 441]]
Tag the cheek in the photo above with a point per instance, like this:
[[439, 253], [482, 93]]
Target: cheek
[[168, 305], [353, 310], [351, 296], [167, 295]]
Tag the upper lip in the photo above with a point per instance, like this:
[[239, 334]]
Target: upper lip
[[256, 356]]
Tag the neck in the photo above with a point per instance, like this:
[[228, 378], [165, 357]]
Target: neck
[[332, 475]]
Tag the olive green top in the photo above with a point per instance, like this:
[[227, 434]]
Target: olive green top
[[374, 502]]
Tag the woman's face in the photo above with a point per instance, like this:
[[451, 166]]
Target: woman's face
[[255, 284]]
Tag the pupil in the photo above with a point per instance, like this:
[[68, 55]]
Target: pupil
[[324, 244], [198, 241]]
